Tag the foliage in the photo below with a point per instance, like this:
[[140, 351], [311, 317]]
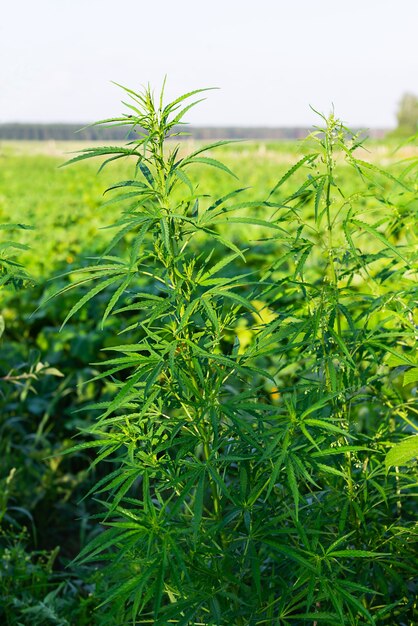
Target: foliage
[[403, 452], [30, 590], [70, 132], [31, 593], [12, 274], [254, 389]]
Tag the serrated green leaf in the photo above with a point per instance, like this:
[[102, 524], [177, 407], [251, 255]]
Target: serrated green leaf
[[373, 231], [93, 292], [403, 452], [357, 554], [89, 153], [291, 171], [208, 161], [411, 376]]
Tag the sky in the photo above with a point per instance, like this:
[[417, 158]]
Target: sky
[[271, 59]]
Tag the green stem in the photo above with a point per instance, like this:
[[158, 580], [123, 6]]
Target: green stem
[[213, 487]]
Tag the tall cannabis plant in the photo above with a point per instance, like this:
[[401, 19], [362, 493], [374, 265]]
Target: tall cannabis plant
[[247, 481], [345, 284], [183, 415]]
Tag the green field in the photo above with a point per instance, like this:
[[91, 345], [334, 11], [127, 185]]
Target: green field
[[65, 203], [340, 527]]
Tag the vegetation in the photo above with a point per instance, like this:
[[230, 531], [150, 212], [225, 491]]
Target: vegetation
[[72, 132], [235, 458]]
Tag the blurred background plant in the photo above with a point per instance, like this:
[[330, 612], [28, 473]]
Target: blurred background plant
[[35, 513]]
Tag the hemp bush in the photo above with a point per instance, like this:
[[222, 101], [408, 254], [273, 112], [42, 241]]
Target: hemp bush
[[253, 404]]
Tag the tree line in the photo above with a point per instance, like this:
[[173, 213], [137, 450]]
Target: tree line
[[78, 132]]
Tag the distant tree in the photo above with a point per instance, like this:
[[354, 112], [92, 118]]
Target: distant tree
[[407, 115]]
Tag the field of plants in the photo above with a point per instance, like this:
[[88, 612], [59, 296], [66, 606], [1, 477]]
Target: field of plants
[[208, 378]]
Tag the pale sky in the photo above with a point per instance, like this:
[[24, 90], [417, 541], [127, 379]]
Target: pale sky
[[271, 59]]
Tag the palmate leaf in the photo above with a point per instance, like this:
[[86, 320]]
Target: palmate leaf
[[183, 112], [12, 273], [116, 297], [103, 481], [89, 153], [374, 168], [219, 481], [146, 172], [226, 293], [220, 201], [110, 121], [330, 469], [305, 192], [340, 450], [179, 612], [186, 316], [410, 168], [96, 272], [403, 452], [130, 195], [182, 176], [140, 97], [210, 146], [225, 242], [134, 586], [124, 395], [128, 348], [6, 245], [97, 443], [15, 226], [373, 231], [411, 376], [292, 170], [93, 292], [208, 161], [330, 619], [144, 193], [172, 105], [357, 554], [129, 183], [187, 491], [298, 556], [202, 277], [318, 197], [397, 357], [211, 313], [109, 373], [354, 603], [251, 221], [107, 539], [324, 401]]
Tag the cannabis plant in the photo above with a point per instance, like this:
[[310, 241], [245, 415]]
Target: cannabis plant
[[251, 404], [12, 274]]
